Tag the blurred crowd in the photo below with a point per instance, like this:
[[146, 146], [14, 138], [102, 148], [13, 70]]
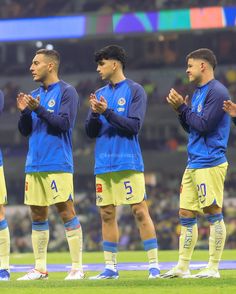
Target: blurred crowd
[[162, 187], [152, 87], [28, 8], [162, 135], [163, 200]]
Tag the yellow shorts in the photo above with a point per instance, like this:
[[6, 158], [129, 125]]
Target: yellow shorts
[[44, 189], [123, 187], [203, 187], [3, 190]]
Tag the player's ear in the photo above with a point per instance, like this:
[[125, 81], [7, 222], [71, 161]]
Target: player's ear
[[203, 65], [50, 66], [115, 64]]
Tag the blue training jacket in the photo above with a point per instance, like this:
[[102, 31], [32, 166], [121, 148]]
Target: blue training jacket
[[207, 124], [49, 128], [1, 109], [116, 130]]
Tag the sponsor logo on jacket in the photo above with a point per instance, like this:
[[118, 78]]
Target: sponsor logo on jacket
[[51, 103], [121, 101]]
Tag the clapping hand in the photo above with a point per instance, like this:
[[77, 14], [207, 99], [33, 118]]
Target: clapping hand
[[230, 108], [97, 106], [175, 99]]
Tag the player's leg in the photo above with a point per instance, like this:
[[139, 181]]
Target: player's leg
[[62, 195], [36, 198], [110, 235], [188, 221], [74, 237], [216, 242], [106, 190], [4, 232], [130, 186], [188, 238], [40, 238], [4, 246], [148, 236], [211, 200]]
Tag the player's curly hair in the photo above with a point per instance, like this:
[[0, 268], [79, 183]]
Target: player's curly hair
[[205, 54], [111, 52]]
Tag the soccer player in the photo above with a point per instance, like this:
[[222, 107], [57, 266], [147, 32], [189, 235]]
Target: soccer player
[[203, 180], [4, 230], [47, 118], [115, 117]]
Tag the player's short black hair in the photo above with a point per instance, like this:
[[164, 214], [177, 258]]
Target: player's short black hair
[[53, 54], [205, 54], [111, 52]]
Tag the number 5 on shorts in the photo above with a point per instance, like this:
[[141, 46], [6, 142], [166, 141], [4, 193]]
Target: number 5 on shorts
[[128, 187]]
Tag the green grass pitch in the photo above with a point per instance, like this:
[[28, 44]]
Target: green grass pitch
[[129, 282]]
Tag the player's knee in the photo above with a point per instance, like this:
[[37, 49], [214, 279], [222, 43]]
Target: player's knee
[[66, 210], [107, 215], [66, 215], [39, 213], [213, 209], [38, 218], [139, 214], [187, 213]]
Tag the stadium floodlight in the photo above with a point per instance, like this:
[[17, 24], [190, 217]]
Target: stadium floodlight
[[39, 44], [49, 46]]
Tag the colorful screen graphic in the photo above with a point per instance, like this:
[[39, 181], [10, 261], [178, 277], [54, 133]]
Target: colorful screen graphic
[[62, 27], [135, 22]]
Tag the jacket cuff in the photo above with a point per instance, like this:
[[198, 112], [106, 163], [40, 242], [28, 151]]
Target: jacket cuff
[[26, 111], [95, 115], [181, 108], [39, 110], [107, 112]]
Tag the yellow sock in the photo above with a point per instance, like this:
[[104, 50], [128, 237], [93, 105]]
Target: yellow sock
[[40, 243], [187, 242], [216, 243], [153, 258], [110, 253], [152, 255], [75, 242], [150, 246], [4, 248], [110, 260]]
